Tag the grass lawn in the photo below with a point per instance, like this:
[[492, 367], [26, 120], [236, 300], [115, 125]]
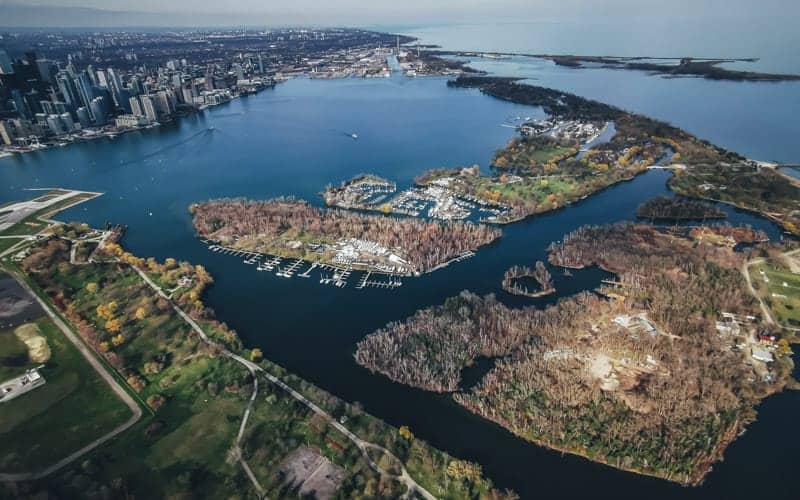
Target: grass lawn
[[783, 300], [73, 408], [6, 243]]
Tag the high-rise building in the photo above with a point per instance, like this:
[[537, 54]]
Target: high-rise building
[[85, 88], [186, 94], [83, 117], [47, 70], [47, 107], [55, 125], [98, 110], [20, 105], [66, 120], [166, 103], [149, 107], [136, 106], [68, 90], [115, 83]]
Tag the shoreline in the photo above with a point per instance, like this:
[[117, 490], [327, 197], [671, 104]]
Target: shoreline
[[68, 140]]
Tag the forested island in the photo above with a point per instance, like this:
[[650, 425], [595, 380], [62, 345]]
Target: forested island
[[676, 209], [656, 373], [539, 273], [287, 227]]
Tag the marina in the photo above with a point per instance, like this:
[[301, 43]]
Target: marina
[[329, 274]]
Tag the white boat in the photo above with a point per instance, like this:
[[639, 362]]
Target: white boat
[[354, 135]]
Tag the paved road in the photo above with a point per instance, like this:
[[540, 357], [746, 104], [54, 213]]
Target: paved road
[[364, 446], [136, 411]]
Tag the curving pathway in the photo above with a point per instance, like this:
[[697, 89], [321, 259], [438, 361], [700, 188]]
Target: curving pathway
[[254, 369]]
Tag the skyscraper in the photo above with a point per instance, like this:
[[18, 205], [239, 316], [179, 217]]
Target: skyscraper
[[83, 117], [149, 107], [68, 90], [85, 88], [98, 110]]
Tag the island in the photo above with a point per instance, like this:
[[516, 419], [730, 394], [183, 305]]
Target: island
[[699, 67], [539, 273], [286, 227], [668, 208], [656, 373]]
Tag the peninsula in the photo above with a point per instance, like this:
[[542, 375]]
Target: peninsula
[[561, 160]]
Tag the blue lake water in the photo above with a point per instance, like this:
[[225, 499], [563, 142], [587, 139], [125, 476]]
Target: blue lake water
[[772, 39], [295, 139]]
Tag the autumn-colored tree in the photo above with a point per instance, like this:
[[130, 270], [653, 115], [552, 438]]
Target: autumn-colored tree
[[118, 339], [136, 382], [92, 287], [464, 470], [113, 325], [256, 354], [141, 313], [156, 401], [405, 433]]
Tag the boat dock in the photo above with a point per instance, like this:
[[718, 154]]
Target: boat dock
[[391, 283], [289, 271], [307, 272], [330, 274]]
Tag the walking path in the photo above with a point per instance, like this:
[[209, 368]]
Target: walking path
[[404, 476], [136, 411]]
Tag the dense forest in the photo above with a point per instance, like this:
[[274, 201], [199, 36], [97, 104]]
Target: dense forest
[[674, 208], [278, 223], [663, 395]]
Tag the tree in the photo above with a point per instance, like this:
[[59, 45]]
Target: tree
[[406, 433], [256, 354], [141, 313], [113, 325], [155, 401], [92, 287], [118, 339]]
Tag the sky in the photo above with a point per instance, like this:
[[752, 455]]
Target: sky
[[69, 13]]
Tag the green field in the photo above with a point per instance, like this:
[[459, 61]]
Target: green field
[[6, 243], [783, 296], [73, 408]]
